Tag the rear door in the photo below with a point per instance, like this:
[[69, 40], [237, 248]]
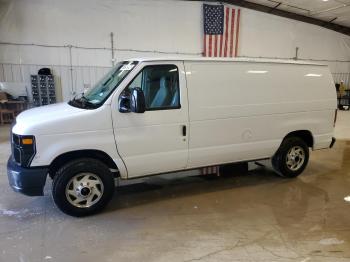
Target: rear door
[[155, 141]]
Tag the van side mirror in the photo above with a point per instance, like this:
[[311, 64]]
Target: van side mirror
[[124, 102], [137, 100]]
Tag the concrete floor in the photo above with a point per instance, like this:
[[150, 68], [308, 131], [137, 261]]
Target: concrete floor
[[242, 217]]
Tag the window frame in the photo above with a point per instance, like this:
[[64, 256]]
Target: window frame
[[164, 107], [114, 88]]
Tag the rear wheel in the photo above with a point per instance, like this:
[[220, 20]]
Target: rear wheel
[[82, 187], [291, 158]]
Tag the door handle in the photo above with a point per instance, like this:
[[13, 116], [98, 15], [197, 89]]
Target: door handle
[[184, 130]]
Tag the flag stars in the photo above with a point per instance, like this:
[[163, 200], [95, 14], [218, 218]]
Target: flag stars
[[221, 30], [213, 19]]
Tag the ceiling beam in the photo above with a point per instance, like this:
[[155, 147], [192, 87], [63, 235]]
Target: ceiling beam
[[275, 11]]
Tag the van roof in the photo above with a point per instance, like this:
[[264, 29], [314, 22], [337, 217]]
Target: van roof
[[219, 59]]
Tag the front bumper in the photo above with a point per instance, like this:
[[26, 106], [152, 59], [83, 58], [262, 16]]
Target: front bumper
[[28, 181]]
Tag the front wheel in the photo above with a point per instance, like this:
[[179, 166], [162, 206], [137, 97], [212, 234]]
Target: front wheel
[[291, 158], [82, 187]]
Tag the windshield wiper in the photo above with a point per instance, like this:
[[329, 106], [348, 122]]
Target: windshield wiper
[[75, 102], [82, 102], [86, 102]]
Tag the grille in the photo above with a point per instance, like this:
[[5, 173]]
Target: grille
[[15, 139], [22, 154], [17, 155], [16, 152]]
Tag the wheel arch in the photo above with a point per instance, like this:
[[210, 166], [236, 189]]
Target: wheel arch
[[86, 153], [305, 135]]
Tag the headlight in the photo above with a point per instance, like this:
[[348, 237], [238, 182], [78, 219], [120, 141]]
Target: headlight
[[23, 149]]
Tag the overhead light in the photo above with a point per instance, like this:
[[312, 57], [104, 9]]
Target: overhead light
[[313, 75], [257, 72], [325, 0]]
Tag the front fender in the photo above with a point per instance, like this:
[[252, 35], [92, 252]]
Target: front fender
[[49, 147]]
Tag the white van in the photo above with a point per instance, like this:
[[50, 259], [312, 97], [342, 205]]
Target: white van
[[151, 116]]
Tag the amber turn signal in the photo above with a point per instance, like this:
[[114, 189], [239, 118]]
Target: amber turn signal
[[27, 141]]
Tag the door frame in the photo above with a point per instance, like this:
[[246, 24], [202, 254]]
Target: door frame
[[183, 102]]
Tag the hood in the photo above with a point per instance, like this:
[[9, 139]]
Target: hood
[[44, 113], [60, 118]]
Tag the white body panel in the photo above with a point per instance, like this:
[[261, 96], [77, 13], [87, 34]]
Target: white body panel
[[243, 110], [152, 142], [233, 110], [61, 128]]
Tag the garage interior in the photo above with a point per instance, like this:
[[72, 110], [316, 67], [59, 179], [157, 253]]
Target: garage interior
[[237, 215]]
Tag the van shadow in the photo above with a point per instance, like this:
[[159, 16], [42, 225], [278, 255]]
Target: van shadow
[[262, 185]]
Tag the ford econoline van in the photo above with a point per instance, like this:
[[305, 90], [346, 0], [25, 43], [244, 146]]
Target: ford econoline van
[[152, 116]]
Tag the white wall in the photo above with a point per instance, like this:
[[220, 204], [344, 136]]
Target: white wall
[[148, 25], [161, 25], [273, 36]]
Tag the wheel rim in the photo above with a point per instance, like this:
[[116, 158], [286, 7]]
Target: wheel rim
[[84, 190], [295, 158]]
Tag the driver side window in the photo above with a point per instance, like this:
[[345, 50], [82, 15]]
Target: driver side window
[[160, 85]]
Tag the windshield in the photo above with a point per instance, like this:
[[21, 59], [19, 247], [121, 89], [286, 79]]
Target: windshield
[[103, 88]]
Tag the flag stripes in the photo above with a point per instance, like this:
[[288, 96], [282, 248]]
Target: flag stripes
[[223, 44]]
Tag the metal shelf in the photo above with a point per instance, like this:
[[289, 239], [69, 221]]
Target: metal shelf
[[43, 89]]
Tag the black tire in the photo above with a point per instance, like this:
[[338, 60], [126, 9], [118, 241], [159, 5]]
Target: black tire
[[69, 171], [279, 160]]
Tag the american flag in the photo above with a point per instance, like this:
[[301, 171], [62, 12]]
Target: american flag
[[221, 30]]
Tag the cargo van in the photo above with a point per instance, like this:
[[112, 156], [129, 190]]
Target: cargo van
[[154, 116]]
